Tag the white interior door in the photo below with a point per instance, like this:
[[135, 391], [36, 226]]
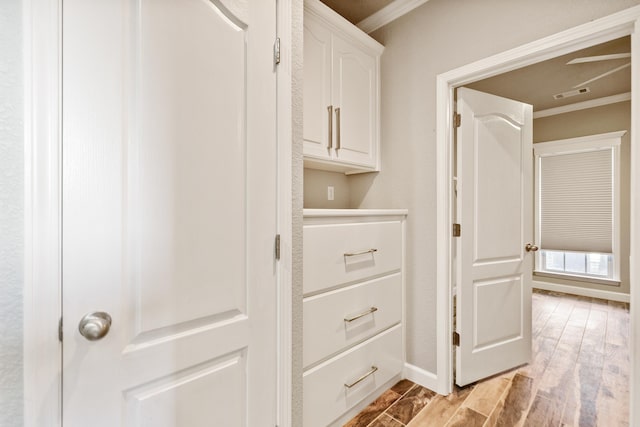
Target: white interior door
[[169, 207], [495, 211]]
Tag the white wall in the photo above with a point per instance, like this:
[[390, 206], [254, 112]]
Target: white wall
[[437, 37], [11, 213]]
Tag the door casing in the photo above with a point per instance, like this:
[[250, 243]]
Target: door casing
[[624, 23], [42, 32]]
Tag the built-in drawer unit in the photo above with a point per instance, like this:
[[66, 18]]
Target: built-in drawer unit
[[333, 387], [335, 254], [353, 342], [346, 316]]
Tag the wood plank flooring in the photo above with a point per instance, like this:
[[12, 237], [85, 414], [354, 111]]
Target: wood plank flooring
[[578, 377]]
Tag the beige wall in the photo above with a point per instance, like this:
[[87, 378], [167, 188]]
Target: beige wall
[[315, 189], [437, 37], [609, 118]]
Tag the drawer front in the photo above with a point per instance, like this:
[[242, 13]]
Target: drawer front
[[337, 319], [340, 253], [326, 397]]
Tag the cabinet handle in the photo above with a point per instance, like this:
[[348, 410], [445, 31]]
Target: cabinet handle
[[330, 109], [367, 251], [362, 378], [358, 316], [337, 128]]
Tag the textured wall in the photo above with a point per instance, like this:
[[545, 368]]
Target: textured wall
[[609, 118], [439, 36], [11, 213], [297, 197]]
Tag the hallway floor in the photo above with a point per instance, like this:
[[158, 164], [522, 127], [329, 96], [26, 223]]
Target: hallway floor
[[579, 376]]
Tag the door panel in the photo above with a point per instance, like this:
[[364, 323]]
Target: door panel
[[169, 172], [317, 89], [355, 93], [186, 166], [499, 186], [496, 216]]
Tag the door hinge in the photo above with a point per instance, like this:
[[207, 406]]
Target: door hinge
[[276, 51], [456, 339], [457, 119], [456, 230], [60, 330], [278, 247]]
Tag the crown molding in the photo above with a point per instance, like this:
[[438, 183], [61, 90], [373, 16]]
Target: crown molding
[[391, 12], [592, 103]]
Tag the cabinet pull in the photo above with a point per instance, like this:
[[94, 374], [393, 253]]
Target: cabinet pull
[[358, 316], [367, 251], [330, 110], [337, 128], [362, 378]]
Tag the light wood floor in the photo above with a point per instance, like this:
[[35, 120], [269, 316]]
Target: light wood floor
[[579, 377]]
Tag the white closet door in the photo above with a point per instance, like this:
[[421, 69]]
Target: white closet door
[[169, 203]]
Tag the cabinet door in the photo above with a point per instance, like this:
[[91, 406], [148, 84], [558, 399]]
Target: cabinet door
[[355, 95], [317, 90]]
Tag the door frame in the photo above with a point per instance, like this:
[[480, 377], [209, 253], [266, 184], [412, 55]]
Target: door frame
[[624, 23], [42, 303]]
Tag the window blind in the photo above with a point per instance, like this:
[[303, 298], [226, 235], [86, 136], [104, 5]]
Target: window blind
[[576, 201]]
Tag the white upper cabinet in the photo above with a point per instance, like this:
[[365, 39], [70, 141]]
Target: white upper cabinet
[[341, 93]]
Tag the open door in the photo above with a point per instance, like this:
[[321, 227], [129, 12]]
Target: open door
[[495, 212]]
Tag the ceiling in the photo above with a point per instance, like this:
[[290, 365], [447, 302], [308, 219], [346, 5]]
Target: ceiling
[[356, 10], [536, 84]]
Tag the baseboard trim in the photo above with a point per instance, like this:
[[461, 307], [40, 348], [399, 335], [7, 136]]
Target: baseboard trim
[[585, 292], [420, 376]]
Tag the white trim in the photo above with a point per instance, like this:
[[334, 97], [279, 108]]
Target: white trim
[[578, 290], [584, 105], [420, 376], [42, 275], [586, 143], [284, 227], [609, 140], [390, 12], [604, 29], [576, 278], [634, 232]]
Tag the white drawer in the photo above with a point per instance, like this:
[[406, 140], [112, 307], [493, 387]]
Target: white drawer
[[340, 253], [376, 303], [325, 395]]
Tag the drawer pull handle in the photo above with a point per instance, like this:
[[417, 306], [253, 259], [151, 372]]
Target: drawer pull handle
[[362, 378], [364, 313], [368, 251], [330, 130]]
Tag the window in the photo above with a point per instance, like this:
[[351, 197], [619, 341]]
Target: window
[[577, 263], [577, 202]]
